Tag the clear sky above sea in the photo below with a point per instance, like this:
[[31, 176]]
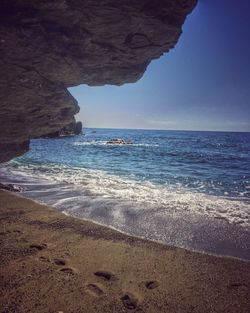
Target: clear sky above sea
[[202, 84]]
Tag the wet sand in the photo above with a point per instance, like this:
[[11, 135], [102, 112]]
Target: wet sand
[[54, 263]]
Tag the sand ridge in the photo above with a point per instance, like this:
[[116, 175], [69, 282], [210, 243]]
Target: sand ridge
[[54, 263]]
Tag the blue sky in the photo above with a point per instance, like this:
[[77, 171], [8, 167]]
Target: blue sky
[[202, 84]]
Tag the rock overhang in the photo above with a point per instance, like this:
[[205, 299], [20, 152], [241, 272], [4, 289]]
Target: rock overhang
[[47, 46]]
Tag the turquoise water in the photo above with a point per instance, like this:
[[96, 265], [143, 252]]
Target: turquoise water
[[211, 162], [164, 186]]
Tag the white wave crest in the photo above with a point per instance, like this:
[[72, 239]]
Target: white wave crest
[[104, 143], [97, 185]]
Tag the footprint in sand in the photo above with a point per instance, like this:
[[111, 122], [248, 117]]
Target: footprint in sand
[[130, 301], [151, 284], [237, 286], [60, 262], [108, 276], [44, 259], [38, 247], [17, 231], [68, 270], [64, 269], [96, 290]]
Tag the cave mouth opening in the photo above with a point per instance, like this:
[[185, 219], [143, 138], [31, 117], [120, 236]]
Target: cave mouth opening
[[144, 104]]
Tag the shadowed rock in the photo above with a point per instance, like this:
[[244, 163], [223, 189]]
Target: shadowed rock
[[11, 187], [47, 46], [74, 128]]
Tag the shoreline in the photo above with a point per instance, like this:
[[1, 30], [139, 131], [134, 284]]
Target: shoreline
[[51, 262], [19, 194], [193, 232]]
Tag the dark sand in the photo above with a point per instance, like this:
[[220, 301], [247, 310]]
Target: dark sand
[[54, 263]]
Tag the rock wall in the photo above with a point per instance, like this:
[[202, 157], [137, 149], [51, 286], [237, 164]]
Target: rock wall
[[49, 45], [74, 128]]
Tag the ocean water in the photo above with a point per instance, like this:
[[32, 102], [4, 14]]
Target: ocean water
[[189, 189]]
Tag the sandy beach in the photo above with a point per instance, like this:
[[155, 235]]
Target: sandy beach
[[54, 263]]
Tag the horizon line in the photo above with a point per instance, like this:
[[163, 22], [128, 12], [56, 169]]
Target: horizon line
[[158, 129]]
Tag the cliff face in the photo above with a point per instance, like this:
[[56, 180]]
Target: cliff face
[[47, 46]]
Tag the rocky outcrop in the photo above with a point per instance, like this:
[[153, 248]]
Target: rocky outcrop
[[77, 129], [118, 141], [10, 187], [74, 128], [47, 46]]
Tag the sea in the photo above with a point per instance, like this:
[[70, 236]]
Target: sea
[[189, 189]]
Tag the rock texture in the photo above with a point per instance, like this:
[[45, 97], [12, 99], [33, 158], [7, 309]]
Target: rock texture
[[74, 128], [49, 45]]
